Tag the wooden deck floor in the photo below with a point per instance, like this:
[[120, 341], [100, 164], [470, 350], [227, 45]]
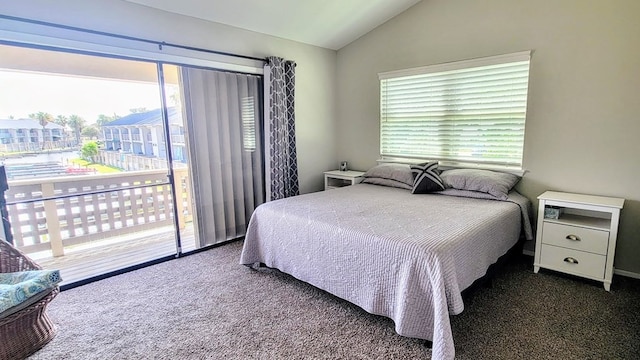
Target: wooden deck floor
[[109, 255]]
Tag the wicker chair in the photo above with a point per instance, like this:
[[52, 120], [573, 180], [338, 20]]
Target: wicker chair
[[28, 329]]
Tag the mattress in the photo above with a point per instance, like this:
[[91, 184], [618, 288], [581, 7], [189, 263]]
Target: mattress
[[396, 254]]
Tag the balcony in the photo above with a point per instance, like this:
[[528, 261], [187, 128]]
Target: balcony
[[87, 235], [130, 162], [177, 139]]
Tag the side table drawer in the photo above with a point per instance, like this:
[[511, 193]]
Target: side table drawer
[[593, 241], [586, 264]]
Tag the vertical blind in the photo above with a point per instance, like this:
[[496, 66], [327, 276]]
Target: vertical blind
[[469, 111]]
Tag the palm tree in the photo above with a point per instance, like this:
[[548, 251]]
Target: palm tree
[[63, 121], [43, 118], [77, 124], [105, 119]]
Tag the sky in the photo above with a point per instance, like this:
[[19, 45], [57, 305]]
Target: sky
[[24, 93]]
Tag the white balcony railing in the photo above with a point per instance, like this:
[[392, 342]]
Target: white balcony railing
[[129, 161], [54, 224], [177, 139]]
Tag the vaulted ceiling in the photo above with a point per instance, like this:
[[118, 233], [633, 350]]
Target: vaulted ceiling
[[330, 24]]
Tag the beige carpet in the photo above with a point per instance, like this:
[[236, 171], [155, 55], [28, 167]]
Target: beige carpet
[[224, 310]]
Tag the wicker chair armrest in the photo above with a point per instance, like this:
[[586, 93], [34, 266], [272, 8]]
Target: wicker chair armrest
[[14, 260]]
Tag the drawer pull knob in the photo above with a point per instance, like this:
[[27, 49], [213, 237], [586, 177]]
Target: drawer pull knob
[[573, 237], [570, 260]]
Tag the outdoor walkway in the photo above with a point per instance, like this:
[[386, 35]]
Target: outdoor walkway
[[99, 257]]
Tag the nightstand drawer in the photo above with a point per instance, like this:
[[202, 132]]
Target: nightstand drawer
[[573, 261], [594, 241]]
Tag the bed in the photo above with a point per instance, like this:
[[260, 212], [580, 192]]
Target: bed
[[394, 253]]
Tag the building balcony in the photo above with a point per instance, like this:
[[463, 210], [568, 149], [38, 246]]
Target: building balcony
[[87, 235], [177, 139]]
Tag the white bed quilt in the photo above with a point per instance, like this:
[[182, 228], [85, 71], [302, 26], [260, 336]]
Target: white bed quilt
[[393, 253]]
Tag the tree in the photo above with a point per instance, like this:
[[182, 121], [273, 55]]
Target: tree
[[175, 96], [105, 119], [61, 120], [44, 119], [91, 131], [89, 150], [138, 110], [76, 123]]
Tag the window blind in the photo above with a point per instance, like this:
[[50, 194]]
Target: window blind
[[470, 111], [248, 115]]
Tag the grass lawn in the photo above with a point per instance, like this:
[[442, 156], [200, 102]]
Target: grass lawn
[[102, 169]]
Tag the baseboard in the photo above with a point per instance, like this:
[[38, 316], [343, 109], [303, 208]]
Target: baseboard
[[626, 273]]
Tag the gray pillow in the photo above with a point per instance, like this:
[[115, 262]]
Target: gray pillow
[[494, 183], [400, 173], [386, 182], [467, 194]]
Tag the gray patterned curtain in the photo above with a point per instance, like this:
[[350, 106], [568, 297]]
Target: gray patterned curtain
[[282, 164]]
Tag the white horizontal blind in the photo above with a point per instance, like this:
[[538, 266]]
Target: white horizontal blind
[[470, 112]]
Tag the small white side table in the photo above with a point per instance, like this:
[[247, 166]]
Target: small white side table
[[579, 234], [336, 178]]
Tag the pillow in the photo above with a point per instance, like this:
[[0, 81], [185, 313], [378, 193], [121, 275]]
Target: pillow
[[386, 182], [494, 183], [399, 175], [426, 178], [467, 194], [17, 287]]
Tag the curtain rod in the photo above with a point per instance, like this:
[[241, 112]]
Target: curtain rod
[[126, 37]]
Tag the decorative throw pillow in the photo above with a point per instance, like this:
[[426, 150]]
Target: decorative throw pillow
[[17, 287], [426, 178]]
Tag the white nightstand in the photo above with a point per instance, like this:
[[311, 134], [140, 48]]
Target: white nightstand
[[582, 239], [336, 178]]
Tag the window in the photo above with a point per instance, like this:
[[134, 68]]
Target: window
[[248, 116], [463, 112]]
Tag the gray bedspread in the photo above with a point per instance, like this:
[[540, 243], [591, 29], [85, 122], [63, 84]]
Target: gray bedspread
[[403, 256]]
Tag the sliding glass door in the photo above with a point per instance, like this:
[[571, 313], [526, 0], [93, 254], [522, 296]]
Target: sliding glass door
[[113, 162], [83, 142], [220, 149]]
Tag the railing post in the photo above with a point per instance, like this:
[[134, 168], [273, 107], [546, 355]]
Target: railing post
[[6, 225], [177, 178], [53, 223]]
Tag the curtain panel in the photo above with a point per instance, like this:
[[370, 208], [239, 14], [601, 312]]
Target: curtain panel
[[280, 134], [223, 113]]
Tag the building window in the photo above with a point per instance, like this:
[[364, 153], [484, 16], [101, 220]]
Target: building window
[[466, 112]]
